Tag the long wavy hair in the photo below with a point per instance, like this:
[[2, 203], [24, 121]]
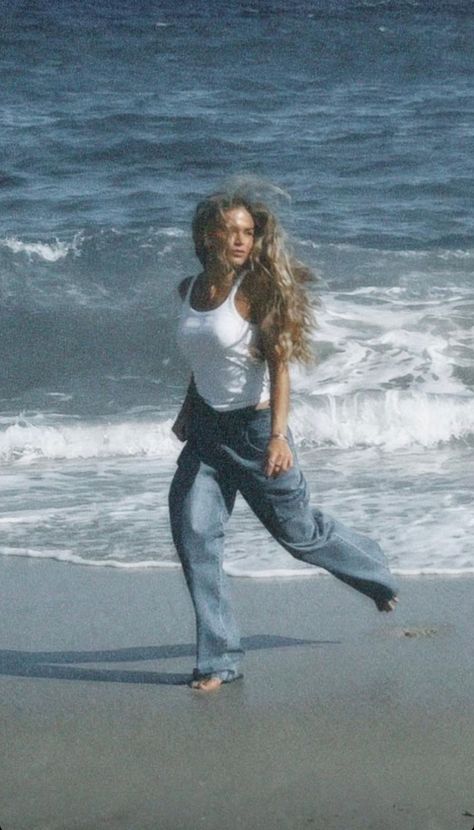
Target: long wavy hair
[[280, 298]]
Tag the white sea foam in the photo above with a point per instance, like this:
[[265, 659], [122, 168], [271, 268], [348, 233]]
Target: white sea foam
[[376, 339], [19, 520], [310, 572], [47, 251], [173, 232], [72, 558], [388, 420], [25, 442], [113, 512], [234, 570]]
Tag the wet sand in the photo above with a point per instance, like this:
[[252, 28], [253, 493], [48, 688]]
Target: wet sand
[[347, 719]]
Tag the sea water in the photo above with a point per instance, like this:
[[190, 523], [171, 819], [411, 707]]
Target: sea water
[[116, 118]]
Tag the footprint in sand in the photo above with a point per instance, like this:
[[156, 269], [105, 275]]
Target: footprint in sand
[[418, 632]]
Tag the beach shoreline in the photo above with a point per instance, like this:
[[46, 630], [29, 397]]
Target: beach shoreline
[[346, 718]]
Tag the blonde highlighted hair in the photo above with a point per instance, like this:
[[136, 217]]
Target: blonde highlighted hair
[[279, 279]]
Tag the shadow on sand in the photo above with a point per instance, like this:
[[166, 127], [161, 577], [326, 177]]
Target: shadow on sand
[[57, 664]]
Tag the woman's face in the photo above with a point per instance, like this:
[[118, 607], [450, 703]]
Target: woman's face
[[238, 235]]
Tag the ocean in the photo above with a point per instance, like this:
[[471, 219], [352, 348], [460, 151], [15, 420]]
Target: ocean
[[357, 118]]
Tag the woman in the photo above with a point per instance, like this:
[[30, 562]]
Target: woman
[[243, 319]]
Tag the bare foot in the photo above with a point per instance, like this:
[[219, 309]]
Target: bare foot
[[206, 684], [388, 604]]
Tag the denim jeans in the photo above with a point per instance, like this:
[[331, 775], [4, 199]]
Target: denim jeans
[[224, 454]]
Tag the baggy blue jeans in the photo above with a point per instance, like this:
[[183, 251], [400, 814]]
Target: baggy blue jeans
[[224, 454]]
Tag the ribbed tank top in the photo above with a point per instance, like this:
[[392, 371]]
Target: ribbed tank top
[[217, 345]]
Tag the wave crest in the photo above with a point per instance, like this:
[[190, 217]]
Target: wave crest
[[49, 252], [26, 442], [388, 420]]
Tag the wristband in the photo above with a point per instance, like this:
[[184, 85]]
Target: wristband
[[279, 435]]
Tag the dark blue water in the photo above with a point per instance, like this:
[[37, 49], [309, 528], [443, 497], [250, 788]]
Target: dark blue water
[[362, 110], [116, 118]]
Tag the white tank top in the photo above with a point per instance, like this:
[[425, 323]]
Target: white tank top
[[217, 345]]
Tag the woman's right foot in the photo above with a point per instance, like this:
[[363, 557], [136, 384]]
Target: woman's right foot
[[211, 682], [206, 684]]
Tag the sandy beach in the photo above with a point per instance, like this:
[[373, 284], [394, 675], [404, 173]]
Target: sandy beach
[[346, 718]]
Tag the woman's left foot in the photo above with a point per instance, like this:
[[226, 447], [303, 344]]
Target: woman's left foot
[[211, 682], [387, 604]]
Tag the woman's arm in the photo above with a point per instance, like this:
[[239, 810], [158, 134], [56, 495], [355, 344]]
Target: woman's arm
[[278, 457]]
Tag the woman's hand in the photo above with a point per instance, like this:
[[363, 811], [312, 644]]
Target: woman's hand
[[278, 457], [181, 425]]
